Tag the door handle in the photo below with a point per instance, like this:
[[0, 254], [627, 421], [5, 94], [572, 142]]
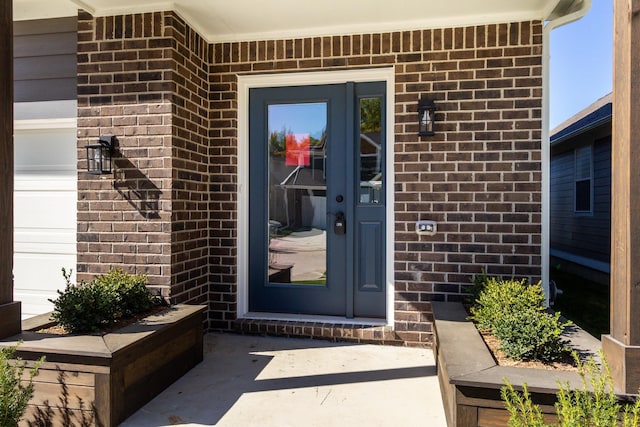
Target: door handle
[[340, 224]]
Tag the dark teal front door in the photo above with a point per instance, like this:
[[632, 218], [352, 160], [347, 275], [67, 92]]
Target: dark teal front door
[[317, 200]]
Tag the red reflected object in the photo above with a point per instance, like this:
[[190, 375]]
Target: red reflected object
[[298, 145]]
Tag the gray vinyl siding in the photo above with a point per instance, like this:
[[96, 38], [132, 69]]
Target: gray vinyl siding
[[582, 235], [45, 58]]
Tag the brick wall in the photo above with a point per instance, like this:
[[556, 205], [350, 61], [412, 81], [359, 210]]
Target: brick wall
[[172, 210], [143, 78], [223, 197], [190, 163], [479, 176]]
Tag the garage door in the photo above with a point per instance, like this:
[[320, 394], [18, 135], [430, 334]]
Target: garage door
[[45, 199]]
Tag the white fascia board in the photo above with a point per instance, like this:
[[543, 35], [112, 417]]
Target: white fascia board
[[549, 8]]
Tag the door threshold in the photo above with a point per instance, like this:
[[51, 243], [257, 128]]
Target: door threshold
[[287, 317]]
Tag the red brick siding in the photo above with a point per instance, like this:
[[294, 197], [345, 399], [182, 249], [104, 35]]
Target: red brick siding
[[190, 164], [144, 79], [223, 199]]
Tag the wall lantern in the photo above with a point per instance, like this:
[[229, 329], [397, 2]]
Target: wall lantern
[[99, 155], [426, 117]]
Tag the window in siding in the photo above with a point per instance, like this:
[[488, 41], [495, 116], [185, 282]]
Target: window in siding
[[583, 181]]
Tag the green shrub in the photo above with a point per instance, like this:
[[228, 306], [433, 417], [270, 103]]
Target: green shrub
[[478, 283], [531, 334], [130, 290], [594, 405], [14, 393], [89, 307], [597, 406], [500, 297], [522, 411], [85, 307], [514, 311]]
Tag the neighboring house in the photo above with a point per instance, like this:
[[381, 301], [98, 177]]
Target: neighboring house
[[581, 192], [312, 233]]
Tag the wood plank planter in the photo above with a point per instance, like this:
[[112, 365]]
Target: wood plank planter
[[107, 378], [470, 380]]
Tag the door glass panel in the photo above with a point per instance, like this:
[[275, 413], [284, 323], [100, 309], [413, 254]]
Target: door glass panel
[[297, 193], [371, 144]]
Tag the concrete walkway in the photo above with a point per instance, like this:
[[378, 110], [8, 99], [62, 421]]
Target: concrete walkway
[[247, 381]]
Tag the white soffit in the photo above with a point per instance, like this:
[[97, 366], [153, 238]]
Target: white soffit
[[42, 9], [242, 20]]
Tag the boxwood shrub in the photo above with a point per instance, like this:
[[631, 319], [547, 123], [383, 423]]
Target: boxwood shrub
[[129, 290], [92, 306], [499, 297], [514, 311], [531, 335]]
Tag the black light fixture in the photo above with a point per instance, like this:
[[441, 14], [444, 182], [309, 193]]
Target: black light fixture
[[99, 155], [426, 117]]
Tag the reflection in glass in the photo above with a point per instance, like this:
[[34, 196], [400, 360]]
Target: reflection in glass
[[297, 193], [371, 144]]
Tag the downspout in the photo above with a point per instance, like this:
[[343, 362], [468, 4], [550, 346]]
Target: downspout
[[570, 11]]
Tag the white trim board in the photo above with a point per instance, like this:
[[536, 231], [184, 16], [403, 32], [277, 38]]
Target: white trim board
[[601, 266], [43, 124]]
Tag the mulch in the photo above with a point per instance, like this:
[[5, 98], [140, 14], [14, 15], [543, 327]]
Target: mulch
[[493, 343], [59, 330]]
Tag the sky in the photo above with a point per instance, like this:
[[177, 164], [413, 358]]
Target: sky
[[305, 118], [581, 62]]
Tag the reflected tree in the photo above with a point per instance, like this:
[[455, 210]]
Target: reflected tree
[[370, 115]]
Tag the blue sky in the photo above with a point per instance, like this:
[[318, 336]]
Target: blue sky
[[581, 62], [298, 118]]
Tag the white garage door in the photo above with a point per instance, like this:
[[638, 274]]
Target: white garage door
[[45, 199]]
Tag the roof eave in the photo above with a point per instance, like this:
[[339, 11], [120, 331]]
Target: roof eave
[[583, 129], [563, 8]]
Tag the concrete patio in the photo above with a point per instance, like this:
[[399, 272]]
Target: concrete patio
[[265, 381]]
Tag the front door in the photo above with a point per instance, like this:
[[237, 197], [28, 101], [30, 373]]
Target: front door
[[317, 200]]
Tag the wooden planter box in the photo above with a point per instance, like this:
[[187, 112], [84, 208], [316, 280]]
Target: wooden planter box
[[107, 378], [470, 380]]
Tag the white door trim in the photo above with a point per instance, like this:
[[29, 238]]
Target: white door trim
[[246, 82]]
